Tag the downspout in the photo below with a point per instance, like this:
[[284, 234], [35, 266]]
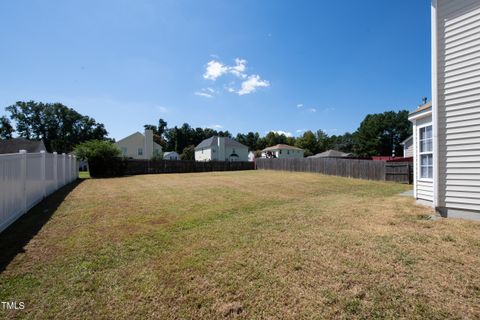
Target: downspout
[[436, 169]]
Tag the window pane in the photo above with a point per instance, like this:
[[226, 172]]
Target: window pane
[[428, 147], [428, 132], [430, 172], [430, 160], [423, 160]]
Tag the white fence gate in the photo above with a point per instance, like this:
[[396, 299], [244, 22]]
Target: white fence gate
[[27, 178]]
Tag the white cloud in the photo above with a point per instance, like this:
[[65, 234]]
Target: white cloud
[[203, 94], [285, 133], [239, 68], [214, 70], [215, 126], [300, 105], [312, 110], [162, 109], [301, 130], [251, 84]]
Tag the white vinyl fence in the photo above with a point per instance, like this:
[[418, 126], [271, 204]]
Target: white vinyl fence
[[27, 178]]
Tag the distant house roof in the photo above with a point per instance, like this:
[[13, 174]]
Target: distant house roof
[[405, 141], [213, 141], [421, 108], [331, 154], [170, 153], [17, 144], [281, 146]]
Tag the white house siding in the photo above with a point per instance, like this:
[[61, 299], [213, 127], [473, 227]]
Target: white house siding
[[285, 154], [203, 155], [423, 187], [214, 154], [408, 148], [457, 83]]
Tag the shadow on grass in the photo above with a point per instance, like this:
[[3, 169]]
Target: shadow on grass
[[17, 235]]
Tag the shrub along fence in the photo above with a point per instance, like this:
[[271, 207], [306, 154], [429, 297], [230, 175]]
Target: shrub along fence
[[352, 168], [133, 167], [27, 178]]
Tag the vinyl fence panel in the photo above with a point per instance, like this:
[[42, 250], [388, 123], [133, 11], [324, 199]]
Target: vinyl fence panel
[[27, 178]]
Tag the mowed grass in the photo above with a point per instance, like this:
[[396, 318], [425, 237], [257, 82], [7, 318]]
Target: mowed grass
[[253, 244]]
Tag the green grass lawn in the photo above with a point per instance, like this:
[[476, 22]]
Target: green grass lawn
[[252, 244]]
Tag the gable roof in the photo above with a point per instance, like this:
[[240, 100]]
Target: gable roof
[[17, 144], [169, 153], [213, 141], [281, 146], [405, 141], [129, 136], [421, 108], [331, 154]]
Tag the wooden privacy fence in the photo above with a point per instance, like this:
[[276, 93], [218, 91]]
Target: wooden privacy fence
[[399, 172], [27, 178], [351, 168], [180, 166]]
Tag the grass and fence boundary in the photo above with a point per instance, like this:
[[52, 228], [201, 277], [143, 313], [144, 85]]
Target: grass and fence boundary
[[352, 168]]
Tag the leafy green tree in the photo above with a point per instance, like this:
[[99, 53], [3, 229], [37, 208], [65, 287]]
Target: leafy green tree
[[103, 157], [381, 133], [6, 129], [188, 153], [61, 128], [342, 143], [323, 141], [274, 138], [308, 142]]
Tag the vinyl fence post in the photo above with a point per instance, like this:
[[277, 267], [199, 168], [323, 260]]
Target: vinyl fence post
[[64, 161], [42, 173], [55, 169], [75, 168], [69, 168], [23, 175]]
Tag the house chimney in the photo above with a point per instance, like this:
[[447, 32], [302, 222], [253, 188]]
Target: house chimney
[[221, 148], [148, 152]]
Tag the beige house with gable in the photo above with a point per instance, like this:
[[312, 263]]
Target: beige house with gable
[[139, 146]]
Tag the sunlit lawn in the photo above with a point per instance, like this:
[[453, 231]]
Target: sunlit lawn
[[253, 244]]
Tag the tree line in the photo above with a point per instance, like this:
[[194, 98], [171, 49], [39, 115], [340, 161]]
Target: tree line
[[378, 134], [62, 128]]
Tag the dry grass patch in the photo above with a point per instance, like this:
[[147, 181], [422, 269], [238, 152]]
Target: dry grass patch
[[247, 245]]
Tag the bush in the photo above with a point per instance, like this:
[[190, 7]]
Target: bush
[[104, 158]]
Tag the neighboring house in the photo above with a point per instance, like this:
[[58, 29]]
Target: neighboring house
[[171, 155], [423, 153], [139, 146], [282, 151], [407, 147], [332, 154], [251, 156], [447, 151], [221, 149], [17, 144]]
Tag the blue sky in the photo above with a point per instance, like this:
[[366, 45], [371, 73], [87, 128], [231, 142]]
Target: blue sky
[[241, 66]]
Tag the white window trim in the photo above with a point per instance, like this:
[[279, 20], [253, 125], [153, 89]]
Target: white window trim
[[420, 178]]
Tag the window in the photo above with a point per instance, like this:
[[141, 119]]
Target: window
[[426, 152], [288, 151], [124, 151], [140, 151]]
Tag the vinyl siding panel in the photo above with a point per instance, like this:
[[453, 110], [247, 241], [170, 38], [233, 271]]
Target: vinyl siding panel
[[425, 190], [458, 109]]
